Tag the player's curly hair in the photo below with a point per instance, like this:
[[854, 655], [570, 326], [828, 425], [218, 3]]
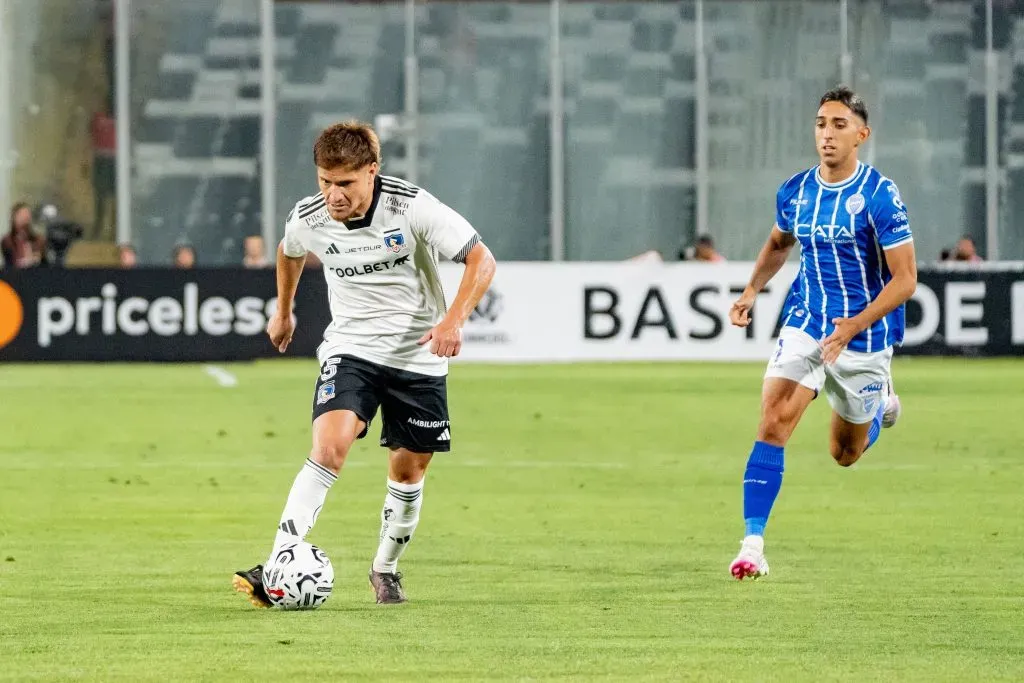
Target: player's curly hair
[[845, 95], [348, 145]]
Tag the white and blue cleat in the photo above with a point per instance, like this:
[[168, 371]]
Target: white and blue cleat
[[751, 562]]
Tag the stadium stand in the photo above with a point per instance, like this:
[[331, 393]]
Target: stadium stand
[[630, 88]]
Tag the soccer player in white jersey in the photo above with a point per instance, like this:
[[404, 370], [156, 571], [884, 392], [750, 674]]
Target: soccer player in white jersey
[[844, 313], [389, 339]]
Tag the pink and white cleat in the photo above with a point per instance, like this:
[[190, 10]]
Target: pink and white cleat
[[750, 563]]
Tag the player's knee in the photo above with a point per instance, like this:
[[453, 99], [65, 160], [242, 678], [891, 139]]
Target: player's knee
[[774, 428], [330, 453], [845, 454], [409, 473], [408, 468], [407, 476]]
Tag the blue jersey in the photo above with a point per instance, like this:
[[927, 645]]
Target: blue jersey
[[844, 229]]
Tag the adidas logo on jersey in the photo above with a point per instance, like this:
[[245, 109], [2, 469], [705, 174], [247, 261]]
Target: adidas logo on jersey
[[333, 249], [445, 436]]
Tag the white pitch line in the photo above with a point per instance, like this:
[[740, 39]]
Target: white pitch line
[[187, 462], [223, 377], [536, 464]]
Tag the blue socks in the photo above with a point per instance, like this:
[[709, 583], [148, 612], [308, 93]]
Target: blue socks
[[876, 427], [761, 483], [762, 479]]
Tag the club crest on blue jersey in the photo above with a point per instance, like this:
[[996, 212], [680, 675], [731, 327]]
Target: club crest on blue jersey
[[395, 242], [855, 204]]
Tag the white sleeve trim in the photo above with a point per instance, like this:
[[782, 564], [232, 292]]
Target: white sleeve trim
[[908, 240]]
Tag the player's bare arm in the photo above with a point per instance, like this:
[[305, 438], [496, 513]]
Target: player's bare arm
[[281, 326], [771, 259], [902, 264], [446, 337]]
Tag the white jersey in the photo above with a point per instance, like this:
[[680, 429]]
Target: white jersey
[[381, 270]]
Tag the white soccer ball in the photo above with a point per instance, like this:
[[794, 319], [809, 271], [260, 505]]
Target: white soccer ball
[[298, 576]]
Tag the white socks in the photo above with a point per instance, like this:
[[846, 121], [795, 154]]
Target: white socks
[[398, 518], [304, 502], [754, 542], [398, 521]]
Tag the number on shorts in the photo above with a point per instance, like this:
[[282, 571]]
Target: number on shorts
[[330, 369]]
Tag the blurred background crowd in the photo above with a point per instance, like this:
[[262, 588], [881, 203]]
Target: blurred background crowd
[[673, 123]]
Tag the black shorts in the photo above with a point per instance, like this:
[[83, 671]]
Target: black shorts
[[414, 407]]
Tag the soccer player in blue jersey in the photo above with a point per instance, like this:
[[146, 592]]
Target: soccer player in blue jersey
[[843, 314]]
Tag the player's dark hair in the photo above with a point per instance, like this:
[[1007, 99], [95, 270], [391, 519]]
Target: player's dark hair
[[844, 95], [349, 145]]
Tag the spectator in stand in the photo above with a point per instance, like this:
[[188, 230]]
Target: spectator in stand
[[966, 251], [104, 169], [21, 247], [127, 256], [255, 252], [705, 250], [184, 256], [701, 250]]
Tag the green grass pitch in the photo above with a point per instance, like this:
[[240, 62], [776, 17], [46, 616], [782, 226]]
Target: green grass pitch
[[581, 528]]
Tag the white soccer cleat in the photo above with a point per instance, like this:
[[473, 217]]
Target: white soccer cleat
[[751, 562], [892, 406]]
